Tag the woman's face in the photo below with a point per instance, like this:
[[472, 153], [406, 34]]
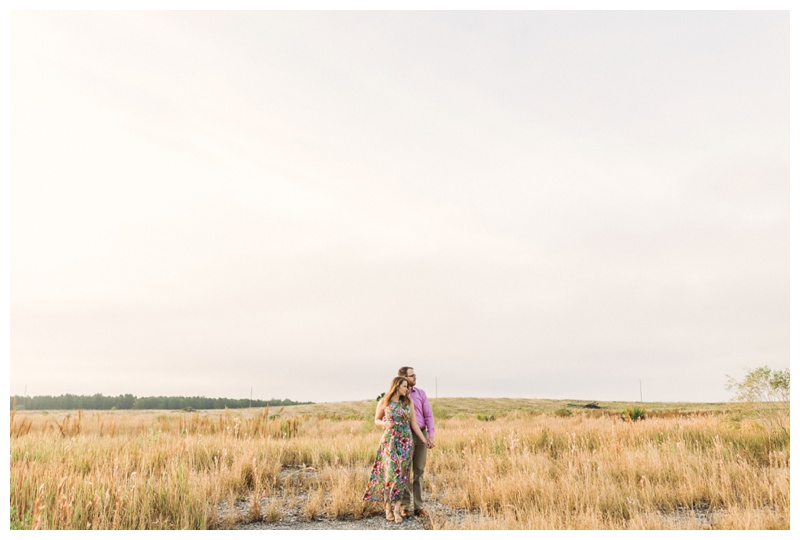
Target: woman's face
[[403, 389]]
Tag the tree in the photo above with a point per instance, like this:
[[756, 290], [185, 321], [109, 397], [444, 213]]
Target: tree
[[769, 389], [761, 385]]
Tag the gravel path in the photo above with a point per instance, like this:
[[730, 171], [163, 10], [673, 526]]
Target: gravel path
[[286, 514], [281, 512], [289, 517]]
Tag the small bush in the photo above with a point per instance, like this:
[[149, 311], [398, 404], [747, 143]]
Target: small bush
[[563, 412], [633, 414], [486, 417]]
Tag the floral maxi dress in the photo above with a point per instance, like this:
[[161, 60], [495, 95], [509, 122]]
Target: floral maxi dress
[[393, 460]]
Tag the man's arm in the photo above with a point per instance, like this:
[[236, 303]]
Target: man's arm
[[427, 415]]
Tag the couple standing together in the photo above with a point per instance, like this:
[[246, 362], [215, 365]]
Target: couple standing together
[[406, 417]]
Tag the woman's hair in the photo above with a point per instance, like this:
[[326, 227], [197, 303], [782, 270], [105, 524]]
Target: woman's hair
[[393, 388]]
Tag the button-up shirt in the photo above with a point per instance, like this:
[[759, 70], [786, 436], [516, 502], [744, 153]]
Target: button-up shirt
[[422, 409]]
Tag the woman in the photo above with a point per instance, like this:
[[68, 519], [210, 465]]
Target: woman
[[395, 414]]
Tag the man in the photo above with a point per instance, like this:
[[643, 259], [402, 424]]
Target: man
[[424, 415]]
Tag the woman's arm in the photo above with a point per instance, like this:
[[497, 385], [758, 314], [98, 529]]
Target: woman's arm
[[379, 421], [415, 427]]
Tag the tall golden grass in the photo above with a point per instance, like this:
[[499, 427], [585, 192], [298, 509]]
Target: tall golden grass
[[525, 470]]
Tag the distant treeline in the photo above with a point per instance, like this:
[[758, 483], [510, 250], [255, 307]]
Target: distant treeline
[[128, 401]]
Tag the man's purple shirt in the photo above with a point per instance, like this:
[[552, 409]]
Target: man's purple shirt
[[422, 409]]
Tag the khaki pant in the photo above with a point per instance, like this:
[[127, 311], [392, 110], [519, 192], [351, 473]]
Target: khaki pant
[[418, 468]]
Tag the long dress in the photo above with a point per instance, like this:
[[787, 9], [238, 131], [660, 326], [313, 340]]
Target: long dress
[[393, 459]]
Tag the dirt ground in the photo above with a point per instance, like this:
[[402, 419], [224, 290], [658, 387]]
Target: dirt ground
[[291, 518]]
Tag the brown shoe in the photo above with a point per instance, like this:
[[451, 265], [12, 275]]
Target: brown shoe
[[422, 513]]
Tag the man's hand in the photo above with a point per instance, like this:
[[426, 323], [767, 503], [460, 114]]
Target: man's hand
[[429, 443]]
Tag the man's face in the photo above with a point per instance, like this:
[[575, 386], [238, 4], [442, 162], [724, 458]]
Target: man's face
[[412, 378]]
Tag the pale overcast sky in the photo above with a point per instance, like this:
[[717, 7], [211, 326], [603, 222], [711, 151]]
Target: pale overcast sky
[[517, 204]]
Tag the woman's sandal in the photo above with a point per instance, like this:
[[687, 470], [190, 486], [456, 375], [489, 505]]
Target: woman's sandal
[[397, 517], [389, 513]]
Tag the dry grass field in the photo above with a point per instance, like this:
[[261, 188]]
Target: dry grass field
[[502, 464]]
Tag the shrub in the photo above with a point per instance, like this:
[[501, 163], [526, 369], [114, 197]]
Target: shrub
[[563, 412], [633, 414]]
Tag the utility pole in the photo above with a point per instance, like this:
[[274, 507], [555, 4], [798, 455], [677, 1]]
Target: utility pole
[[640, 391], [437, 386], [250, 405]]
